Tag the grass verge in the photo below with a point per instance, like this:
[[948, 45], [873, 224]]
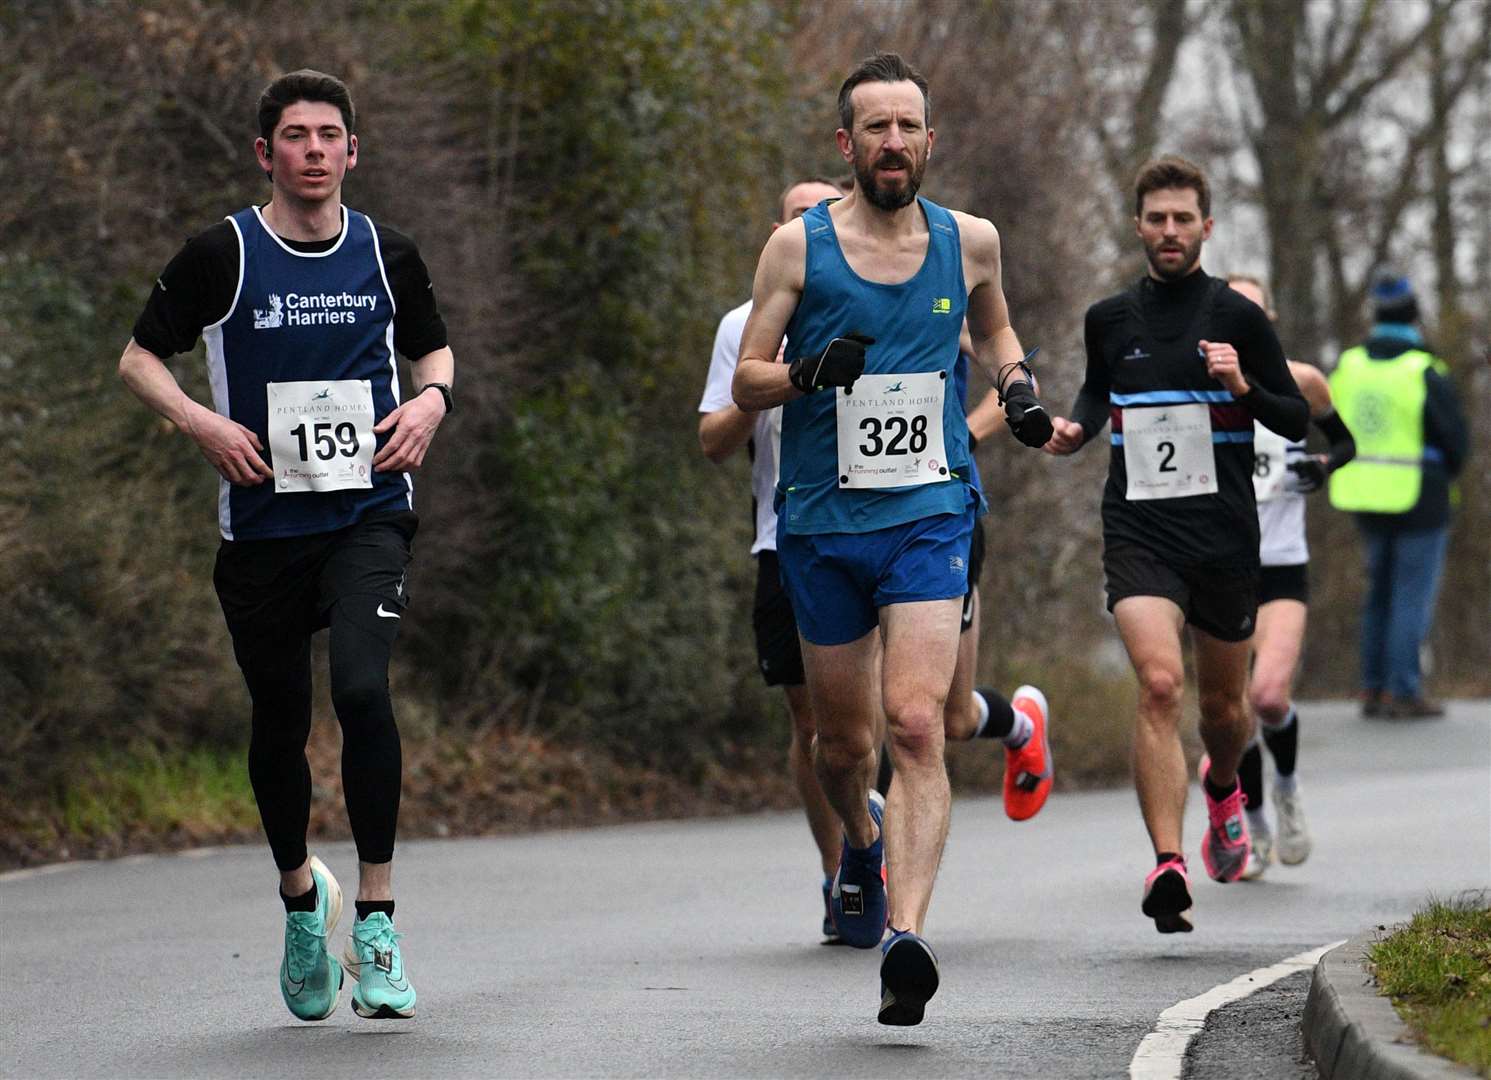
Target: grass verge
[[1437, 970], [472, 783]]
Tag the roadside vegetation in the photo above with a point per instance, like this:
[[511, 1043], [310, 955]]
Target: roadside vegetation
[[1437, 970]]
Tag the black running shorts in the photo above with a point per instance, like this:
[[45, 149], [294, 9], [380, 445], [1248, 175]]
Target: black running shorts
[[1219, 600], [289, 585], [975, 571], [778, 650], [1284, 583]]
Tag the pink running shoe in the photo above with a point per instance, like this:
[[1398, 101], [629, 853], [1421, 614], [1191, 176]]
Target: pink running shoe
[[1226, 846], [1167, 897]]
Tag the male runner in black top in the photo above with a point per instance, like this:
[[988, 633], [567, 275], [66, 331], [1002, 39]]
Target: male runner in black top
[[1182, 365], [302, 303]]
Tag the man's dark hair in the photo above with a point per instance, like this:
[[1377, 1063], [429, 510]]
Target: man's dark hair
[[782, 199], [882, 67], [303, 85], [1171, 172]]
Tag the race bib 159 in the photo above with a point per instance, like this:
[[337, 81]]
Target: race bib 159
[[321, 435]]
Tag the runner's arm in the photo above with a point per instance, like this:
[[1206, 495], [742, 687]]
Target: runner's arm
[[996, 346], [1090, 410], [1272, 396], [1313, 469], [232, 449], [1317, 391], [985, 417], [414, 422], [723, 426], [724, 432], [761, 382]]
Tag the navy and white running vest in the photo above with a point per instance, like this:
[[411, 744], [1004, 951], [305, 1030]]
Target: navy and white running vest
[[300, 316], [916, 325]]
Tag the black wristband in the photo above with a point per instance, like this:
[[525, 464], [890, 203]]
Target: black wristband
[[450, 402]]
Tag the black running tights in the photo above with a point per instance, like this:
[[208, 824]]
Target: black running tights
[[277, 669]]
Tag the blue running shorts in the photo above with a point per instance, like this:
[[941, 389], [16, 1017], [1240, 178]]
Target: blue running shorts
[[838, 582]]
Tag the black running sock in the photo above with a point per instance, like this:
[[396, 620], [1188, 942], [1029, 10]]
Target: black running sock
[[1250, 775], [1283, 742], [306, 902], [367, 907], [1218, 793], [1166, 856], [1001, 714]]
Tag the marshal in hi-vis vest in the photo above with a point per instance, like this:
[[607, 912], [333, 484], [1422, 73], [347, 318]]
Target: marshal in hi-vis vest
[[1382, 402]]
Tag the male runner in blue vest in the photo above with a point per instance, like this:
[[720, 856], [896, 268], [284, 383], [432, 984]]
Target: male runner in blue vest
[[874, 508], [302, 304]]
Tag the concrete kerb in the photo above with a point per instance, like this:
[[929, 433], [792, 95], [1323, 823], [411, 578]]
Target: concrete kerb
[[1354, 1033]]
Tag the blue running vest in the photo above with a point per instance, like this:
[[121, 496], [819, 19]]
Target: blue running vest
[[296, 317], [915, 325]]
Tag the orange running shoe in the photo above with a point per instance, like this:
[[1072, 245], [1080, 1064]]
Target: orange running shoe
[[1028, 771]]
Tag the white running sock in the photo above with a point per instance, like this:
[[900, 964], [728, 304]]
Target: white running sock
[[1285, 785], [1022, 731], [983, 714]]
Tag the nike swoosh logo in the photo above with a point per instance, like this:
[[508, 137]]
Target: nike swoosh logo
[[387, 614]]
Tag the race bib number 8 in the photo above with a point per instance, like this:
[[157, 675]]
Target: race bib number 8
[[1168, 453], [321, 435], [1269, 472], [890, 431]]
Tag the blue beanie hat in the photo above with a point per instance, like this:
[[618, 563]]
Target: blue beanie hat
[[1393, 299]]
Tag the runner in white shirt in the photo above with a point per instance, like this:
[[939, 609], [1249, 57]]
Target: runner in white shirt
[[1284, 472]]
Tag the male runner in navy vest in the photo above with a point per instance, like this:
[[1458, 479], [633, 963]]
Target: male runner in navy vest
[[874, 508], [302, 303], [1183, 365]]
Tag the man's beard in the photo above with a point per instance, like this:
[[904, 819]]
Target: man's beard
[[889, 199], [1189, 257]]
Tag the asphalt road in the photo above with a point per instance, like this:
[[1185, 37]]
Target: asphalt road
[[690, 948]]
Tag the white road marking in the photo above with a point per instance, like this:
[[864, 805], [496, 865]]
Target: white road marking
[[84, 864], [1161, 1054]]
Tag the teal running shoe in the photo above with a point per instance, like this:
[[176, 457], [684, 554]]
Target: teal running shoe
[[383, 991], [311, 978]]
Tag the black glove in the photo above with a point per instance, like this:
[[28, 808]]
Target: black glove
[[839, 364], [1026, 416], [1309, 473]]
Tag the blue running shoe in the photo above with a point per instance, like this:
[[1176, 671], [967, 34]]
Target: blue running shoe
[[830, 932], [857, 900], [310, 978], [383, 991], [908, 979]]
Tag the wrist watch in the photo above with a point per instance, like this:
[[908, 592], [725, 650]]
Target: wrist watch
[[450, 403]]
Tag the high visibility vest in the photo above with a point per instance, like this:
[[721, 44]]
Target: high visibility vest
[[1382, 403]]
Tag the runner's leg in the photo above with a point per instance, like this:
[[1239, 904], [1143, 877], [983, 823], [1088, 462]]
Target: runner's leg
[[1221, 682], [961, 716], [1150, 628], [841, 692], [1276, 646], [920, 657], [277, 669], [822, 820]]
